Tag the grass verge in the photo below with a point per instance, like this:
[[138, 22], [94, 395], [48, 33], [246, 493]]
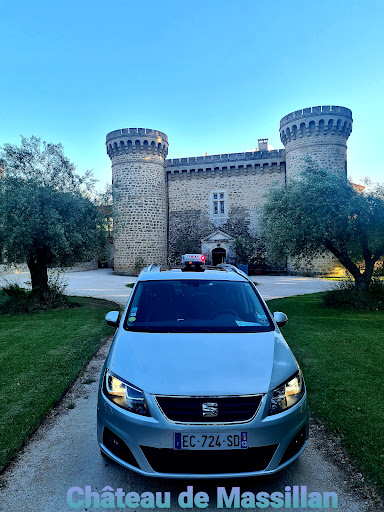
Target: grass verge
[[342, 356], [40, 355]]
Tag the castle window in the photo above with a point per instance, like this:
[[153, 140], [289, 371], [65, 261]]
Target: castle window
[[218, 205], [215, 204]]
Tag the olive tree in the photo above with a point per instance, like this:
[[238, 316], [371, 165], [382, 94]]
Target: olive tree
[[321, 210], [46, 215]]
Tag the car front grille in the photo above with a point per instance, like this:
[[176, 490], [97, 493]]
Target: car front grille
[[229, 409], [206, 462]]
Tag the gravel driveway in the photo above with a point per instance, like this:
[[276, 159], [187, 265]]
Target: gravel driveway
[[63, 453], [106, 285]]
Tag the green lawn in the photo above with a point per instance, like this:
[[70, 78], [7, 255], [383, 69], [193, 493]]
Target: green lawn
[[40, 355], [342, 356]]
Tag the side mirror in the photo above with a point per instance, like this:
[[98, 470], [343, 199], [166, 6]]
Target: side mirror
[[280, 318], [112, 318]]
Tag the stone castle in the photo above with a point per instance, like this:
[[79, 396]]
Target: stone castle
[[165, 207]]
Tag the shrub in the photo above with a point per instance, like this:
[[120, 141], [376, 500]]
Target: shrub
[[139, 265], [22, 300], [345, 296]]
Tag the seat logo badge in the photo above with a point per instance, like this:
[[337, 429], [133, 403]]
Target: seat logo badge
[[210, 410]]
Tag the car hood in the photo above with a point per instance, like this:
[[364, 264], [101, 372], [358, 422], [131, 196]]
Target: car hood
[[202, 363]]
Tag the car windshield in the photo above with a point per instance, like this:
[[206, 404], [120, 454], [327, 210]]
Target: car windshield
[[196, 305]]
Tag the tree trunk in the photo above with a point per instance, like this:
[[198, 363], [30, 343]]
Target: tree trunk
[[39, 272], [362, 282]]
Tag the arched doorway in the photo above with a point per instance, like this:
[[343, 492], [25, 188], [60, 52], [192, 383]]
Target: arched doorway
[[218, 255]]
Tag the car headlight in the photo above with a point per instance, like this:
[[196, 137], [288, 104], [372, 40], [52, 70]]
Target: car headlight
[[288, 394], [124, 394]]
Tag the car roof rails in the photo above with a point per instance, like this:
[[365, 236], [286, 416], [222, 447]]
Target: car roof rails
[[153, 267], [226, 267], [232, 268]]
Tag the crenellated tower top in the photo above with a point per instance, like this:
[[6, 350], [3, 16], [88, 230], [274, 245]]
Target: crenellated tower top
[[138, 141], [317, 132], [316, 111], [325, 120]]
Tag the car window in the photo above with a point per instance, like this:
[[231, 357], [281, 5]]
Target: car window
[[197, 306]]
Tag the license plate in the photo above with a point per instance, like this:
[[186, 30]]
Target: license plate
[[198, 441]]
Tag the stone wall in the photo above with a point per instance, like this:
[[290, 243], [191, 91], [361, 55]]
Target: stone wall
[[140, 230], [324, 264], [140, 198], [328, 154], [190, 204], [165, 207]]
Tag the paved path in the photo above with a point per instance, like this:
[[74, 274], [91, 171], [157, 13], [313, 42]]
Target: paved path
[[106, 285], [63, 453]]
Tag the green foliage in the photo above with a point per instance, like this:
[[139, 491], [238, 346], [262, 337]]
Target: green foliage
[[253, 252], [46, 215], [21, 300], [139, 265], [245, 248], [379, 268], [321, 210], [341, 353], [104, 201], [184, 244], [41, 354], [345, 295]]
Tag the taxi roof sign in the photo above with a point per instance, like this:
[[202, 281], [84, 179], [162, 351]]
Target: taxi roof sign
[[196, 259]]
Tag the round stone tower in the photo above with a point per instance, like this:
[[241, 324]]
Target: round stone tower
[[140, 205], [318, 132]]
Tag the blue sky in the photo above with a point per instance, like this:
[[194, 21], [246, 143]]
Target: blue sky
[[213, 75]]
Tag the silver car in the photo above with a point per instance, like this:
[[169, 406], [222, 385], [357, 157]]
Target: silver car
[[199, 382]]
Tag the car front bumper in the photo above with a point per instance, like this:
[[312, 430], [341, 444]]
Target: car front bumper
[[146, 444]]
